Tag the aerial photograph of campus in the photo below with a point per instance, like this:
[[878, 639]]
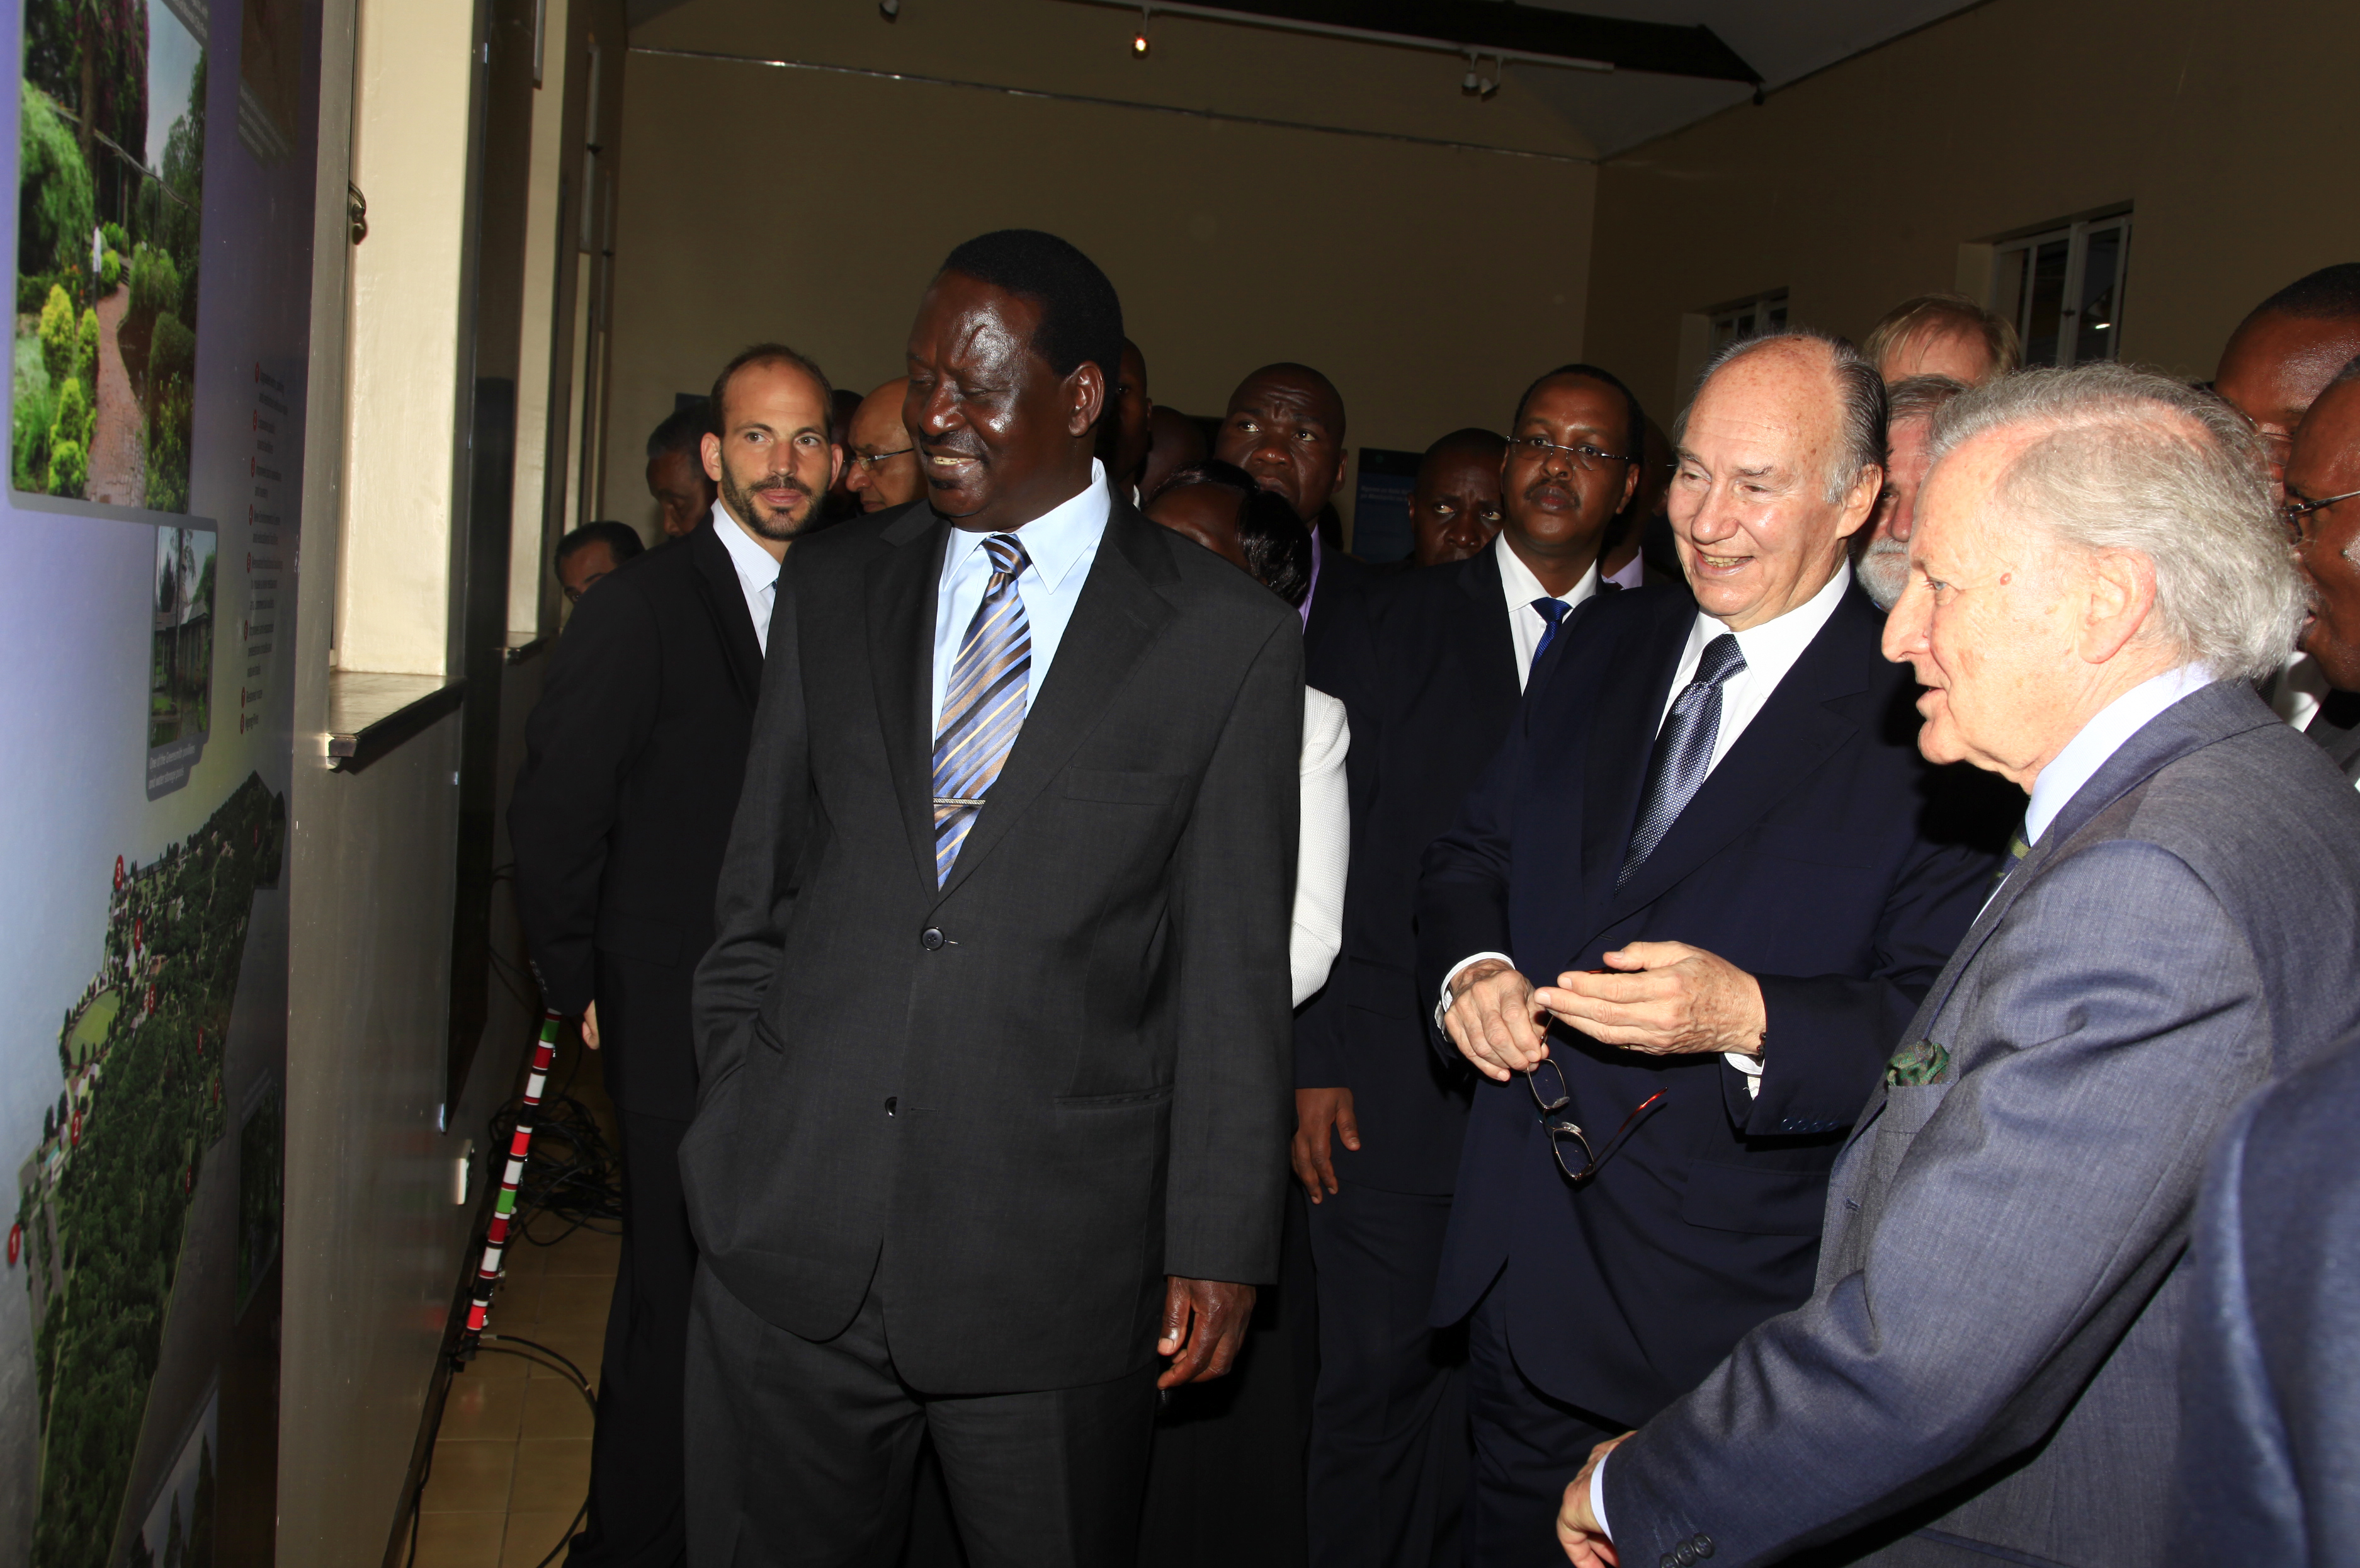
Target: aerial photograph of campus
[[103, 1201]]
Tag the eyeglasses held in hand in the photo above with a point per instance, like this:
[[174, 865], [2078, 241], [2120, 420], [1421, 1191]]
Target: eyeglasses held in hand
[[1561, 1128], [1585, 456]]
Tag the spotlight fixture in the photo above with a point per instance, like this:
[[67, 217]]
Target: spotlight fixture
[[1479, 84], [889, 9], [1140, 43]]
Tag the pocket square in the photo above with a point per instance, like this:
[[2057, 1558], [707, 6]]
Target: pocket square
[[1920, 1062]]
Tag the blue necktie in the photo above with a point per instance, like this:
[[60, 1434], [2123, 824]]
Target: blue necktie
[[1683, 751], [984, 706], [1553, 611]]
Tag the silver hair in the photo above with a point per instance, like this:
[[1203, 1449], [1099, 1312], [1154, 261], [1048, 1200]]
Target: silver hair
[[2125, 459], [1857, 383]]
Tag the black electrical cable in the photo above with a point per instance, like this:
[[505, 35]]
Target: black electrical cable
[[571, 1173]]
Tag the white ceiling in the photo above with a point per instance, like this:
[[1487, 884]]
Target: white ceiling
[[1783, 39]]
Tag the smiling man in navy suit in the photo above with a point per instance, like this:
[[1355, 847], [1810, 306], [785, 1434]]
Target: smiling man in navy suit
[[1704, 838]]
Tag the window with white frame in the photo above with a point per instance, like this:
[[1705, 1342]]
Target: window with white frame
[[2063, 289], [1763, 313]]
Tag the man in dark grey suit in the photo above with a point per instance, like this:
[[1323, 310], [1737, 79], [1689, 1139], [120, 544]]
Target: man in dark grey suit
[[1987, 1368], [2269, 1434], [994, 1036], [2323, 511]]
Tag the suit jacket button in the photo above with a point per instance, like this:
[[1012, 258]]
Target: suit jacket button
[[1685, 1557], [931, 938], [1667, 1561], [1703, 1544], [891, 1102]]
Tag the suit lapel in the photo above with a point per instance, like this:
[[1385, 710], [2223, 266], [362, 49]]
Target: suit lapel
[[725, 596], [1615, 772], [1490, 642], [1115, 619], [2201, 718], [901, 586], [1788, 738]]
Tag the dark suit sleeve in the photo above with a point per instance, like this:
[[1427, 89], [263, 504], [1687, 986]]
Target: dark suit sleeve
[[2240, 1493], [767, 843], [1232, 1110], [1463, 888], [584, 735], [1829, 1037]]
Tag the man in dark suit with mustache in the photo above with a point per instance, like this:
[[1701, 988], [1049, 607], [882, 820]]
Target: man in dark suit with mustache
[[995, 1034]]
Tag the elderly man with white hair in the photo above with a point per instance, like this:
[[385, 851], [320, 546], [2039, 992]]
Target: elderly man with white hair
[[1985, 1370]]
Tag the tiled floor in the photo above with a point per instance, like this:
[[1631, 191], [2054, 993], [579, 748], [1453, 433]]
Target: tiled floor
[[512, 1459]]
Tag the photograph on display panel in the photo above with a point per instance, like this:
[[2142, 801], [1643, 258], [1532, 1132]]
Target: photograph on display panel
[[111, 140]]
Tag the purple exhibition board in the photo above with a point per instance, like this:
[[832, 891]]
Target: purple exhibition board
[[150, 540]]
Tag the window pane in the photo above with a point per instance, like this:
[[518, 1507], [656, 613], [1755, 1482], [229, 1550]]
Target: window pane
[[2102, 269], [1779, 316], [2044, 314]]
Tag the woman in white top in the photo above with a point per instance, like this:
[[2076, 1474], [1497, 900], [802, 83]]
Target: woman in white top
[[1222, 508]]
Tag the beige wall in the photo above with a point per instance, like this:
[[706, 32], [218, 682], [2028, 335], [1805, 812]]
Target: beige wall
[[1857, 187], [812, 207]]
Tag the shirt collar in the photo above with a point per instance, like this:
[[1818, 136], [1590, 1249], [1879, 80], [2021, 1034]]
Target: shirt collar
[[756, 569], [2101, 738], [1522, 587], [1056, 540], [1773, 647]]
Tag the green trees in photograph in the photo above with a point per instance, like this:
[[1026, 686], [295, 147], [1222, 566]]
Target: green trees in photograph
[[153, 1116], [60, 206]]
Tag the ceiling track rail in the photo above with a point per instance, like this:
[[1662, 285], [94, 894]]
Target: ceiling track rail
[[1219, 115]]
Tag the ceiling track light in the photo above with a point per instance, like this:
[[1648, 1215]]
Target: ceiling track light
[[1476, 84], [889, 9], [1140, 43]]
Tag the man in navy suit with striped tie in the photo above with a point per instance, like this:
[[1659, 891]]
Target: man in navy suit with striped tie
[[1704, 844], [994, 1036]]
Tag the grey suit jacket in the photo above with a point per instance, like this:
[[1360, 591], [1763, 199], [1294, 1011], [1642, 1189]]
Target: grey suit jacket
[[2270, 1441], [2341, 742], [1989, 1357], [1013, 1102]]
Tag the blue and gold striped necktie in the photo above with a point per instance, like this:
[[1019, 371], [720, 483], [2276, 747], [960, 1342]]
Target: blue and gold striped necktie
[[984, 706]]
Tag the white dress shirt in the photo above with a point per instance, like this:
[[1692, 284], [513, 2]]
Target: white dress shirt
[[2101, 738], [758, 572], [1323, 847], [1632, 574], [1521, 588], [1059, 546], [1770, 649], [2056, 784]]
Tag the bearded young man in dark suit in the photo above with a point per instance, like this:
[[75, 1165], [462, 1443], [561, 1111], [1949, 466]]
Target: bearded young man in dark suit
[[1706, 831], [632, 762], [995, 1036], [1379, 1117]]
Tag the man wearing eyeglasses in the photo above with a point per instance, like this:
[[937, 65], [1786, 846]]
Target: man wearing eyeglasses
[[2323, 512], [2277, 361], [1431, 695], [1704, 838], [880, 461]]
